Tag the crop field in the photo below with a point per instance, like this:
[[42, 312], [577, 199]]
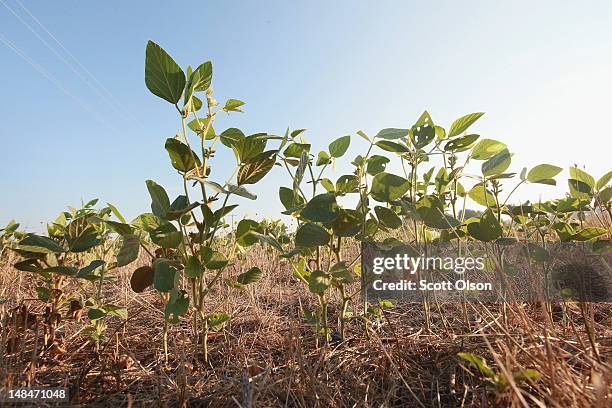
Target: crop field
[[190, 305]]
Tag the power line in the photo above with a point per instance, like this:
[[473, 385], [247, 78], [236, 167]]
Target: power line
[[109, 98], [40, 69]]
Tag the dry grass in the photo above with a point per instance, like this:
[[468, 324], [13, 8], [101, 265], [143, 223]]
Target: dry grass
[[268, 356]]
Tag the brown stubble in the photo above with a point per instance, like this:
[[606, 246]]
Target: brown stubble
[[267, 355]]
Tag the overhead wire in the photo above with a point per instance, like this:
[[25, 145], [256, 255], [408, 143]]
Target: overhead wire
[[109, 98], [78, 62], [40, 69]]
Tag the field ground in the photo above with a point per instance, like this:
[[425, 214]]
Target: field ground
[[267, 354]]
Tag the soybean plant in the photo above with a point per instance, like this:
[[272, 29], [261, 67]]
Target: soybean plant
[[189, 231], [76, 251]]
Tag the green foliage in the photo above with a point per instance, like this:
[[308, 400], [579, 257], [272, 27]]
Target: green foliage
[[311, 235], [338, 147], [387, 187], [417, 187], [163, 76], [498, 379], [463, 123], [543, 173]]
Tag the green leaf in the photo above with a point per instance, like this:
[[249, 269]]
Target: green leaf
[[95, 313], [605, 195], [200, 125], [430, 210], [81, 235], [199, 80], [166, 236], [268, 240], [564, 231], [222, 212], [215, 320], [604, 180], [193, 268], [422, 135], [296, 132], [526, 374], [130, 248], [115, 211], [323, 158], [487, 228], [388, 218], [481, 195], [249, 147], [231, 136], [579, 189], [118, 227], [338, 147], [318, 282], [160, 203], [243, 232], [163, 76], [62, 270], [392, 133], [348, 223], [376, 164], [194, 105], [497, 164], [289, 198], [340, 274], [142, 278], [233, 105], [569, 204], [213, 259], [328, 185], [542, 173], [10, 228], [311, 235], [463, 123], [241, 191], [182, 157], [441, 180], [424, 119], [486, 149], [256, 168], [321, 208], [589, 233], [28, 265], [42, 293], [478, 362], [461, 143], [177, 306], [582, 176], [393, 147], [39, 244], [148, 222], [346, 184], [179, 207], [164, 277], [363, 135], [93, 265], [251, 276], [118, 311], [388, 187], [296, 150]]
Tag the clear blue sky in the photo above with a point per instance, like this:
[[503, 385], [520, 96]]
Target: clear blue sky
[[541, 70]]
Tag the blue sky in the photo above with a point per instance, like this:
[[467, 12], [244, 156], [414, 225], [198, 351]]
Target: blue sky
[[542, 72]]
